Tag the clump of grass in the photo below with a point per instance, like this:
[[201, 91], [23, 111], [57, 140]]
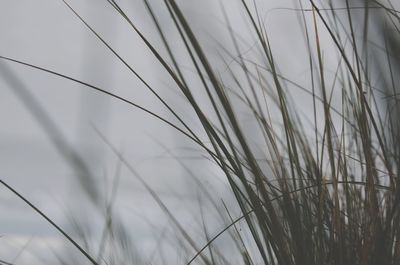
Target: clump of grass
[[329, 198]]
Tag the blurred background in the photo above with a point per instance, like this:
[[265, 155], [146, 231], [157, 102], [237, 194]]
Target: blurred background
[[50, 132]]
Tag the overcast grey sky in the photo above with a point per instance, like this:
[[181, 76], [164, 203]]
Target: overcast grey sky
[[47, 34]]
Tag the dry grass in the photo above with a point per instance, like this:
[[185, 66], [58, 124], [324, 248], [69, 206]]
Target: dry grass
[[328, 198]]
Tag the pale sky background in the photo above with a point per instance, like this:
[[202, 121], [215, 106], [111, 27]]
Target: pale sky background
[[47, 34]]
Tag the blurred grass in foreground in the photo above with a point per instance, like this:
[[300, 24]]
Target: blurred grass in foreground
[[325, 195]]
